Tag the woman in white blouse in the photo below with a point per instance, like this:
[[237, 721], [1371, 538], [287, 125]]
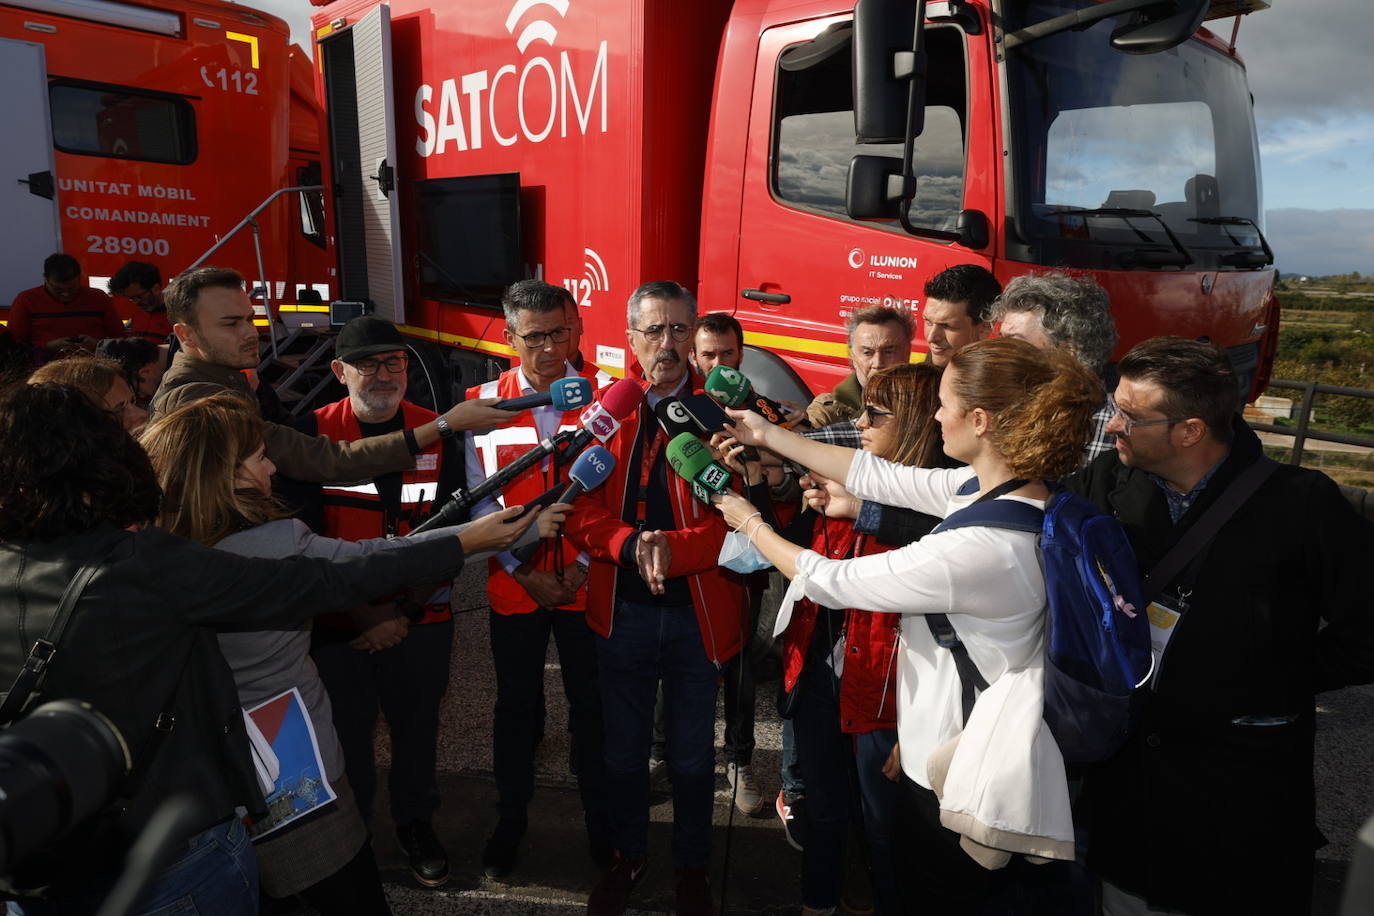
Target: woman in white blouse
[[1019, 417]]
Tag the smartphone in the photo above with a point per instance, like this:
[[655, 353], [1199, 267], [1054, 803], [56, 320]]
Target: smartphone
[[705, 412]]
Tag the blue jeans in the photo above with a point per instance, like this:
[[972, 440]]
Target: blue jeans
[[216, 876], [648, 643], [880, 799]]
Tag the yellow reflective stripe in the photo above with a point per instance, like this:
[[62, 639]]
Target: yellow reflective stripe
[[467, 343], [806, 345], [297, 307], [250, 40], [797, 344]]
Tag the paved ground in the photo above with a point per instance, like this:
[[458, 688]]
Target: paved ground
[[555, 873]]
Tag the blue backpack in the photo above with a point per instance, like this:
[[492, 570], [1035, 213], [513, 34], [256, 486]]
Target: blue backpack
[[1097, 639]]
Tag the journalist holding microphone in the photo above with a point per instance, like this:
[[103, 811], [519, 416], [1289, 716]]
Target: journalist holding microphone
[[77, 500], [1019, 417]]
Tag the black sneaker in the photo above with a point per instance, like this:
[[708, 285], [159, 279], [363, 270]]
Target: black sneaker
[[428, 860], [502, 849], [611, 895], [790, 813]]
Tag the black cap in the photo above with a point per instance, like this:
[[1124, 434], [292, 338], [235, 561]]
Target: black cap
[[367, 336]]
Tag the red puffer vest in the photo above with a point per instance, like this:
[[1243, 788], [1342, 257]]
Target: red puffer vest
[[867, 685], [355, 513]]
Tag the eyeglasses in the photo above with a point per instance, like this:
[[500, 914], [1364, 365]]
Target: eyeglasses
[[537, 339], [874, 414], [142, 298], [1127, 424], [397, 363], [654, 332]]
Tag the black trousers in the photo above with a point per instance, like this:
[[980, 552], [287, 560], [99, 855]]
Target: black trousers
[[519, 643], [406, 683], [354, 889]]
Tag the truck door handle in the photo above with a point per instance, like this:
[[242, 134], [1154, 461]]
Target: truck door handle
[[759, 295]]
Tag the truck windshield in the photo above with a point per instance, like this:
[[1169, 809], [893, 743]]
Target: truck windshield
[[1094, 129]]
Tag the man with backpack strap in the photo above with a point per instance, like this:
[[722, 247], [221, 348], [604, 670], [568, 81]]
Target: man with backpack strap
[[1209, 807]]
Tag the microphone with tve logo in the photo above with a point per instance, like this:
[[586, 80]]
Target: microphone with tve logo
[[588, 472], [731, 387], [691, 460], [564, 394]]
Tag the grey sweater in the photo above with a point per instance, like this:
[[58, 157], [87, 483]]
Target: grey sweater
[[267, 662]]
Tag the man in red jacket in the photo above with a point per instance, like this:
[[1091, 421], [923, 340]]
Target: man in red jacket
[[64, 315], [538, 598], [662, 608]]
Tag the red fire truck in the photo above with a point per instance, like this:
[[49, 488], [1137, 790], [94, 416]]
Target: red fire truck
[[773, 154], [146, 130]]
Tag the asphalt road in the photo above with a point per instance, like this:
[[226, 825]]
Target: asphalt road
[[554, 873]]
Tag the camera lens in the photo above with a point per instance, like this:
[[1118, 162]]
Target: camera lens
[[58, 765]]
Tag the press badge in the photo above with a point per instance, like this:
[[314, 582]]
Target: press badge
[[1163, 620]]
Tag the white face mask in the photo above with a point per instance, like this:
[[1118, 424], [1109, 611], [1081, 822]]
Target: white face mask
[[737, 554]]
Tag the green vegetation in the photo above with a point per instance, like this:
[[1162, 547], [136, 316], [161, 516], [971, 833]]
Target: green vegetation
[[1326, 335]]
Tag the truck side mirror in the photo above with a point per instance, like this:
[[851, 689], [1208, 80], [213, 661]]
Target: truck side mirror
[[973, 229], [1150, 33], [883, 29], [874, 187]]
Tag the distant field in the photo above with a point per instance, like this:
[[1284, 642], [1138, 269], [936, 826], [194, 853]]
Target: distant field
[[1327, 335]]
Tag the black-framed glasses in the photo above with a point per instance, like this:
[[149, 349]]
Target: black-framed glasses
[[395, 363], [536, 339], [874, 414], [1127, 424], [654, 332]]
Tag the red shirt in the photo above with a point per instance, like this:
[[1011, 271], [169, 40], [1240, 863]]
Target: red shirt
[[37, 318]]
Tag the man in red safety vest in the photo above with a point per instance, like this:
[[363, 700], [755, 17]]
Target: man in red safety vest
[[542, 596], [401, 662]]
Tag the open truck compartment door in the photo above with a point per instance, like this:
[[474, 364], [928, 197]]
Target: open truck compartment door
[[29, 232], [362, 132]]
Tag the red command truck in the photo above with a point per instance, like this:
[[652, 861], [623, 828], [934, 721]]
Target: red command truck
[[772, 154], [146, 131]]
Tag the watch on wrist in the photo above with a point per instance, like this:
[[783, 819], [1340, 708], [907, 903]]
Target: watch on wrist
[[445, 431]]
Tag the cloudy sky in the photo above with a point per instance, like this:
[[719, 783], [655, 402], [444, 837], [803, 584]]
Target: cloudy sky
[[1313, 80]]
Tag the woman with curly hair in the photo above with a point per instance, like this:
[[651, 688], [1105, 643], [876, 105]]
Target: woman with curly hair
[[1019, 417], [78, 494]]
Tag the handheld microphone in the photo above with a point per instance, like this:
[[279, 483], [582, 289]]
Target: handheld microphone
[[674, 418], [462, 499], [602, 419], [687, 416], [588, 472], [731, 387], [564, 394], [691, 460]]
